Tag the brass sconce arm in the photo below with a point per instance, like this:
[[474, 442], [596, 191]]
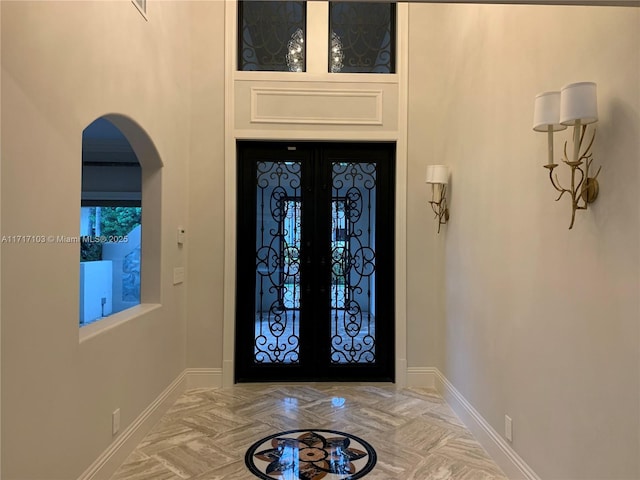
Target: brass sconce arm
[[583, 187], [440, 207]]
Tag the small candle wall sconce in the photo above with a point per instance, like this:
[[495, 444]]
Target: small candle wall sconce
[[438, 177], [574, 105]]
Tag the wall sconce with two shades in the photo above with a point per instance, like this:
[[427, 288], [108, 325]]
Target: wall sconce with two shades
[[574, 105], [438, 177]]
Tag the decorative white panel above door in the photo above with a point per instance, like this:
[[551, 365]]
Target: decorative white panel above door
[[276, 105]]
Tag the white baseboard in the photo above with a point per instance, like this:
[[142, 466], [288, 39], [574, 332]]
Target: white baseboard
[[107, 463], [514, 467], [424, 377], [204, 377]]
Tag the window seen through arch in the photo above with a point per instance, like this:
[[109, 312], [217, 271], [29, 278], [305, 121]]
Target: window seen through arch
[[110, 223]]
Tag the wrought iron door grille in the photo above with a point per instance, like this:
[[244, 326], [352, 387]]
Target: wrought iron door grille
[[277, 324], [353, 338]]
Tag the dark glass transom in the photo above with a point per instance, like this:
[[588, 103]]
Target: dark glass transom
[[271, 36], [362, 37]]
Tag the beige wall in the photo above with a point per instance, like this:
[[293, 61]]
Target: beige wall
[[524, 317], [205, 235], [537, 321], [63, 65]]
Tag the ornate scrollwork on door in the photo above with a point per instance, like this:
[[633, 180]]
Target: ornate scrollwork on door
[[353, 263], [277, 325]]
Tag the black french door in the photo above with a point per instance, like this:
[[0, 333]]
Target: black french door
[[315, 261]]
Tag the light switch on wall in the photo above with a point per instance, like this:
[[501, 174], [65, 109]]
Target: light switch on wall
[[181, 235], [178, 275]]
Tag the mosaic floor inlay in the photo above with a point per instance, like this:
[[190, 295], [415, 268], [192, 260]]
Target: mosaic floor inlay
[[310, 455], [208, 432]]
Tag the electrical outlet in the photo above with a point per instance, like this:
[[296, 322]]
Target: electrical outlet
[[115, 421], [508, 428]]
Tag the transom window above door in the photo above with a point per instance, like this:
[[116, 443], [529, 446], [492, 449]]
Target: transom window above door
[[362, 37], [272, 36]]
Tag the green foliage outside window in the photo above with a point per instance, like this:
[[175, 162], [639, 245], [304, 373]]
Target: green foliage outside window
[[117, 221], [114, 222], [90, 251]]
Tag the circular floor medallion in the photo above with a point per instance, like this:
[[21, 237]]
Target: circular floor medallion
[[310, 455]]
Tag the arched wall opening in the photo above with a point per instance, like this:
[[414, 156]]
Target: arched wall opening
[[121, 192]]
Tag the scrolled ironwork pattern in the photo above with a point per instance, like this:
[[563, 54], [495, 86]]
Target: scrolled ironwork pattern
[[267, 30], [366, 34], [353, 266], [277, 256]]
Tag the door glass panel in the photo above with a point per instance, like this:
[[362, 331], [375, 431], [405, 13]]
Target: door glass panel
[[291, 251], [338, 254], [353, 258], [278, 221]]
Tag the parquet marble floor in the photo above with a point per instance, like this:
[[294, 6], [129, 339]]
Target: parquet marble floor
[[205, 434]]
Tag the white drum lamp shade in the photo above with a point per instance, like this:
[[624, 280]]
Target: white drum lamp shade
[[578, 104], [437, 174], [546, 112]]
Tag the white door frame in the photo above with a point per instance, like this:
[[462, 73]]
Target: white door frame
[[232, 134]]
